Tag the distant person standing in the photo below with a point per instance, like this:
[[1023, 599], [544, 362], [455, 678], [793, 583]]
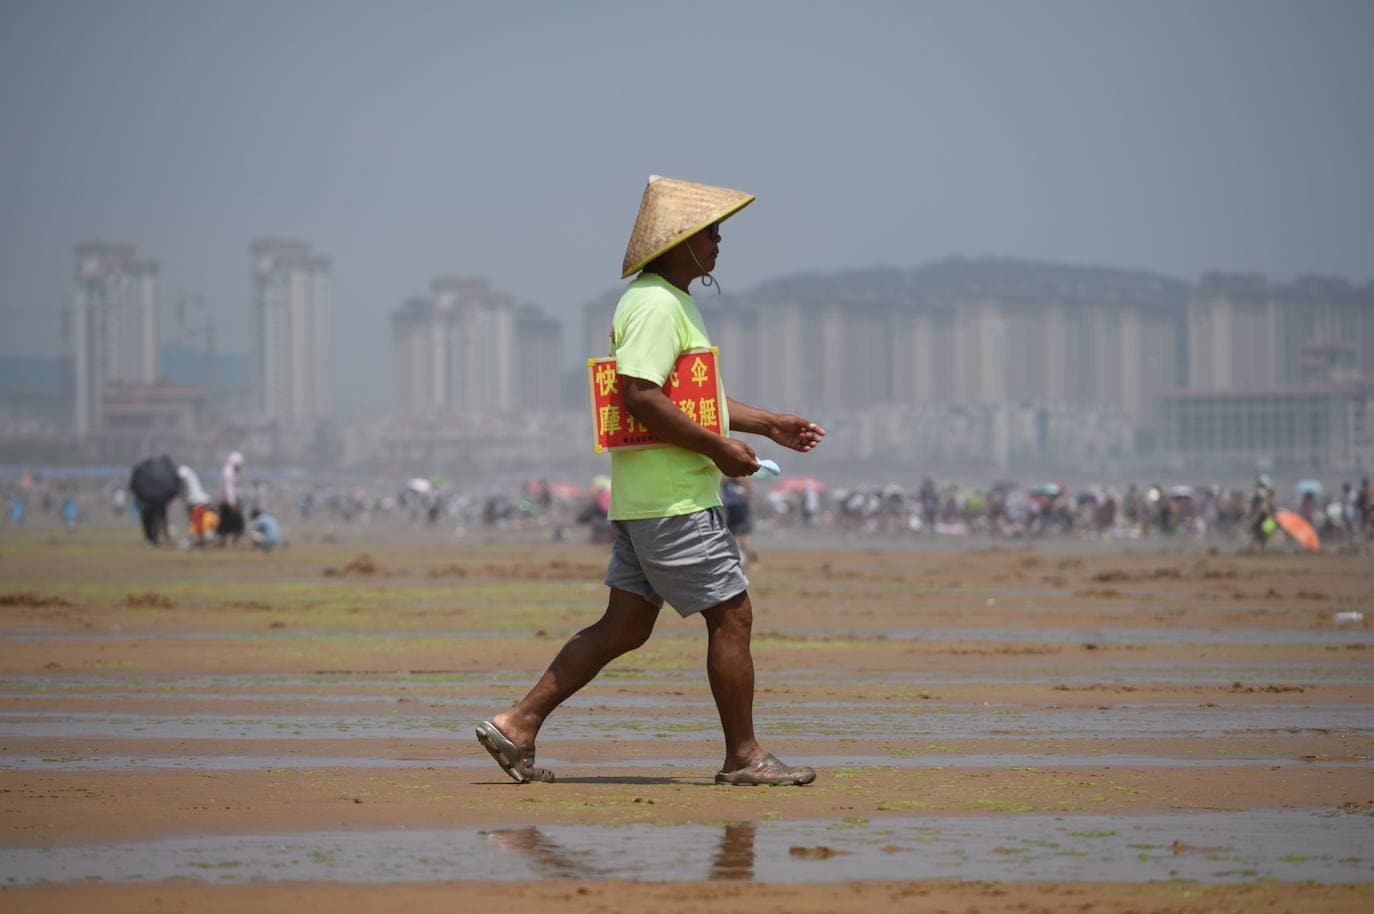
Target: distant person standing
[[230, 511], [1262, 523], [154, 483], [1364, 507], [810, 504], [1349, 509], [19, 504], [736, 496], [119, 501], [1307, 508], [19, 498], [71, 510]]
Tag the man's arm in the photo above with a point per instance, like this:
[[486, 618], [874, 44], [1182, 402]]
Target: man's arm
[[783, 428], [647, 402]]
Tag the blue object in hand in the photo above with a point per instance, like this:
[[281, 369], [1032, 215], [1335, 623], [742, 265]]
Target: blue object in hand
[[770, 466]]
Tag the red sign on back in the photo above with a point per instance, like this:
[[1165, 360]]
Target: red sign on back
[[693, 386]]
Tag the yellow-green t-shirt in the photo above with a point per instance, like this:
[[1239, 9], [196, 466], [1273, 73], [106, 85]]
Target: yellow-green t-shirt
[[654, 323]]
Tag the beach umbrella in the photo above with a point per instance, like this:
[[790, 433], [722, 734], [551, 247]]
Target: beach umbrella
[[420, 486], [1180, 491], [154, 480], [799, 484], [1299, 529], [1051, 489], [1309, 485]]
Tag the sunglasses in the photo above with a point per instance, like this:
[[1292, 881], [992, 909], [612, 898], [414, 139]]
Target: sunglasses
[[712, 231]]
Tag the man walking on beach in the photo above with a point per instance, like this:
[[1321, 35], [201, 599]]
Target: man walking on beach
[[671, 541]]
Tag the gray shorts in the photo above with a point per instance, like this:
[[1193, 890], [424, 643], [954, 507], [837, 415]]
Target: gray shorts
[[691, 561]]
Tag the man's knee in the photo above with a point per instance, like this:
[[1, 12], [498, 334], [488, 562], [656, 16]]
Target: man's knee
[[628, 621], [734, 617], [617, 637], [632, 637]]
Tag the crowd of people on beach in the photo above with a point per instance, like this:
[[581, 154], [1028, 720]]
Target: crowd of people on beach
[[155, 485], [1203, 513], [1135, 511], [156, 482]]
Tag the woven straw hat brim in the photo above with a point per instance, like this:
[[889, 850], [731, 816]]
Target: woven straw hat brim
[[672, 211]]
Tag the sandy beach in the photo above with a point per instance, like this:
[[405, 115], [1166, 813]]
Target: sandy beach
[[1058, 726]]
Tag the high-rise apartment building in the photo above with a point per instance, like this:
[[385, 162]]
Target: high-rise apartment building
[[957, 332], [1245, 332], [293, 331], [971, 333], [538, 360], [114, 326], [469, 348], [1280, 375], [596, 327]]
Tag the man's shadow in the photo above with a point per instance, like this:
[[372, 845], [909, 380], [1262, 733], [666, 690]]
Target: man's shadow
[[640, 780], [645, 780], [550, 859]]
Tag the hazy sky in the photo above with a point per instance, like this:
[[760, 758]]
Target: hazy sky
[[513, 140]]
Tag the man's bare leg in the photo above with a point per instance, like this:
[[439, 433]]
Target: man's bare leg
[[627, 623], [730, 668]]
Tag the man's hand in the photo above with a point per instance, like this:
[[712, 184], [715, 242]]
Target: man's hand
[[795, 432], [735, 458]]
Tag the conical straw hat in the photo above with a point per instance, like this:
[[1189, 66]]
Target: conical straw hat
[[671, 212]]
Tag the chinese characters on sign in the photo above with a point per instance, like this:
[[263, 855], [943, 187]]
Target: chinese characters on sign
[[693, 386]]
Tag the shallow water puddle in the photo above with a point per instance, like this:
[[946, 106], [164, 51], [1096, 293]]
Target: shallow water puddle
[[915, 721], [464, 706], [1320, 846], [1029, 670], [1069, 636], [35, 635], [471, 756], [1118, 637]]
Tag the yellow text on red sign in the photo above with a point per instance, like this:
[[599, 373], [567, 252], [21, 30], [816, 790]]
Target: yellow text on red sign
[[693, 386]]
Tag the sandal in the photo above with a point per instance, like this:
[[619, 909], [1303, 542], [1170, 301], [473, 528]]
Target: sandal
[[768, 770], [517, 762]]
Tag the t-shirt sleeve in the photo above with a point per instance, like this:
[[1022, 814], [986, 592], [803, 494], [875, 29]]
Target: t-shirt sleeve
[[648, 343]]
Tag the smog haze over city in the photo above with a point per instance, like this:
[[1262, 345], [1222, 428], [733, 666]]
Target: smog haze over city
[[1028, 512], [1057, 235], [512, 141]]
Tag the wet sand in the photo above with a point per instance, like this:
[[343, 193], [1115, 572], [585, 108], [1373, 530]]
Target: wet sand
[[699, 898], [164, 715]]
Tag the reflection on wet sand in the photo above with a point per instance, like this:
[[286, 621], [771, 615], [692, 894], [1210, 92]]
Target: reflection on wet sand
[[734, 858], [1313, 845], [546, 856]]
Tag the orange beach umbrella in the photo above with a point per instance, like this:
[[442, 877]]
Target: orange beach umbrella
[[1299, 529]]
